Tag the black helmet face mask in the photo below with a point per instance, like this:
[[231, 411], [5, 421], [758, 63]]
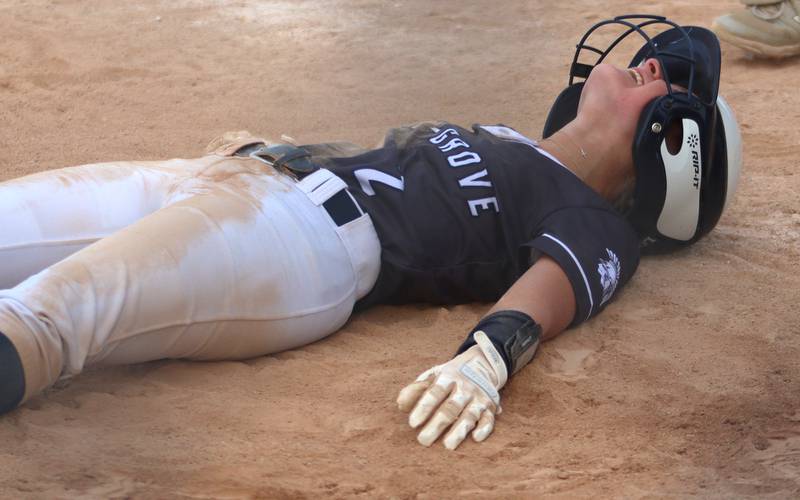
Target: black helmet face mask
[[679, 195]]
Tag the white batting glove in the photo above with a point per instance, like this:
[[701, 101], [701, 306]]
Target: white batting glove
[[461, 394]]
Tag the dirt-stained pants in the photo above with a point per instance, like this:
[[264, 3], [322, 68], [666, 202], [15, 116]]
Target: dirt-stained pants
[[219, 257]]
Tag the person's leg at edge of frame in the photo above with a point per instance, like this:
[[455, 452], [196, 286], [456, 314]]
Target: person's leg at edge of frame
[[765, 28], [248, 266]]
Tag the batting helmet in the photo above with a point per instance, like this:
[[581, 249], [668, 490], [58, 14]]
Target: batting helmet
[[679, 195]]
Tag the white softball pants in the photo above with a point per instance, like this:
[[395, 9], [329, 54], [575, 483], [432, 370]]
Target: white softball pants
[[213, 258]]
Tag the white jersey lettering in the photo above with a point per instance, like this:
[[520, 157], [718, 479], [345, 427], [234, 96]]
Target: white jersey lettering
[[444, 135], [463, 158], [483, 203], [472, 180], [367, 175], [453, 144]]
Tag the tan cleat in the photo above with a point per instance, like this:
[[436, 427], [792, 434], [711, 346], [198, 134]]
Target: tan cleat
[[767, 28]]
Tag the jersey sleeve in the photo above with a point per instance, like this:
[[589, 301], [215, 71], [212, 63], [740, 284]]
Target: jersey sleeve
[[597, 249]]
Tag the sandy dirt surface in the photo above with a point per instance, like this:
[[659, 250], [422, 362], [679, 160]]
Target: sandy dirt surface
[[687, 386]]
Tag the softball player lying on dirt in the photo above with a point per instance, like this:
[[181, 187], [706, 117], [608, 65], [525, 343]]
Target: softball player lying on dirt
[[258, 247]]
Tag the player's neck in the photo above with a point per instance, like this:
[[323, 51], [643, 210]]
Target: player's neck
[[601, 163]]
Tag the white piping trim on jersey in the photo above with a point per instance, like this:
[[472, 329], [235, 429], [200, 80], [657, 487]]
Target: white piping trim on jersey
[[583, 274]]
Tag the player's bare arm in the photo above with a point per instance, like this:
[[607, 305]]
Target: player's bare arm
[[544, 293]]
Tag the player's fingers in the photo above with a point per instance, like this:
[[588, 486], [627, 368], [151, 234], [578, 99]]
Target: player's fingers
[[429, 401], [465, 423], [484, 427], [410, 394], [447, 413]]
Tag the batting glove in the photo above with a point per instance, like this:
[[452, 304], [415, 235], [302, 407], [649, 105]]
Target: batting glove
[[461, 394]]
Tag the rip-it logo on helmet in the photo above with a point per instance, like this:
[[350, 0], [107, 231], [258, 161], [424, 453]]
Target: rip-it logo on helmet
[[694, 143], [679, 196], [681, 209]]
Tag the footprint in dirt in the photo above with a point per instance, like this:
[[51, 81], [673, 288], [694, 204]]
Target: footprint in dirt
[[571, 359], [779, 452]]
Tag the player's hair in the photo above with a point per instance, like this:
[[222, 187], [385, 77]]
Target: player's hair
[[679, 196]]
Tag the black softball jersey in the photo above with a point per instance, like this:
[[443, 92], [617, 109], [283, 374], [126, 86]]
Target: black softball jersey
[[462, 214]]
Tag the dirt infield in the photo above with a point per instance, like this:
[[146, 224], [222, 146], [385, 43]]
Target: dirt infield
[[687, 386]]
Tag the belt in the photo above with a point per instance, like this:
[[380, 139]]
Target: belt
[[342, 207], [296, 161]]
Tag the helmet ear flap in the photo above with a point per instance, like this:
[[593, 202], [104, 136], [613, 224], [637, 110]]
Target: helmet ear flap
[[564, 109], [675, 199], [650, 190]]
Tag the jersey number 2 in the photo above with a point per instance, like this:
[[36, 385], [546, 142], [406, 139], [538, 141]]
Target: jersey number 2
[[366, 176]]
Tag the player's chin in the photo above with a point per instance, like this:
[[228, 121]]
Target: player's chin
[[611, 77]]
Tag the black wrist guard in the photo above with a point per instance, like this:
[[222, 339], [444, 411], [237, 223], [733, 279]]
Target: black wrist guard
[[513, 333]]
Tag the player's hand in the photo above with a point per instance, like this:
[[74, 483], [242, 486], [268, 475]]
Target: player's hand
[[460, 395]]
